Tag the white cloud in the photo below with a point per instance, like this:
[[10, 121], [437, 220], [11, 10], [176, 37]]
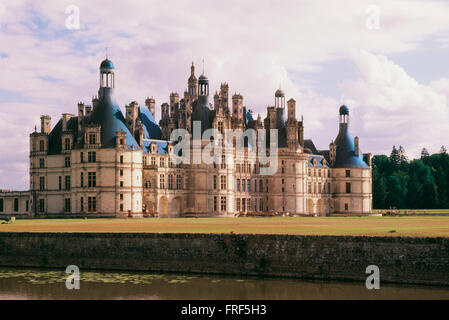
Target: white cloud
[[393, 108]]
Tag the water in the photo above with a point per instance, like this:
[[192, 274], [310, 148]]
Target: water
[[50, 284]]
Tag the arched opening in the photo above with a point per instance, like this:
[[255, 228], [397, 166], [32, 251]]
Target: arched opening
[[330, 207], [320, 207], [310, 206], [163, 207], [175, 209]]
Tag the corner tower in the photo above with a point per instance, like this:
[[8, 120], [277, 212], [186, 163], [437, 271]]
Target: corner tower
[[351, 175]]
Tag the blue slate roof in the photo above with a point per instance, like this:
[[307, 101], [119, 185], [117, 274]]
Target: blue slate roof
[[161, 146], [108, 115], [151, 129], [345, 157], [248, 116], [318, 158]]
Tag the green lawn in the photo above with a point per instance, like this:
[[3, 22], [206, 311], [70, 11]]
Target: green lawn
[[420, 226]]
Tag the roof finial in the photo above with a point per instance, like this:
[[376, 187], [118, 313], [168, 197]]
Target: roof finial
[[203, 65], [106, 50]]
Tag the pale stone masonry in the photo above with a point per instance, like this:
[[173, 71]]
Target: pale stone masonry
[[103, 163]]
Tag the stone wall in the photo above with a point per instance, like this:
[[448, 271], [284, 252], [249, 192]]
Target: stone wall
[[400, 259]]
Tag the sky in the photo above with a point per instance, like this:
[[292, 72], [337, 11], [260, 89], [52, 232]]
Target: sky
[[387, 60]]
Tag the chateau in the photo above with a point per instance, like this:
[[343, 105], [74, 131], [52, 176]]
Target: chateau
[[101, 163]]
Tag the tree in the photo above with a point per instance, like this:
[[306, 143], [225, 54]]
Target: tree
[[402, 155], [443, 149], [395, 157], [380, 193], [424, 153]]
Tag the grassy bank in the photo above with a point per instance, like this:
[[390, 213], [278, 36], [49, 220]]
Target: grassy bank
[[416, 226]]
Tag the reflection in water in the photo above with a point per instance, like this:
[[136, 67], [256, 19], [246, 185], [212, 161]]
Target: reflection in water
[[50, 284]]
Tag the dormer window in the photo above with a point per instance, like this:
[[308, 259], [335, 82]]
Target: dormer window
[[153, 148], [92, 138], [67, 144]]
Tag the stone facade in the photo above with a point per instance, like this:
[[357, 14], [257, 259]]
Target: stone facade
[[101, 163]]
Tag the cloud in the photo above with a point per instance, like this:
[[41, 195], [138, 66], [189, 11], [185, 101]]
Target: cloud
[[393, 108], [253, 45]]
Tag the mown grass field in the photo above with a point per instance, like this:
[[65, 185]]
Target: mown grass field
[[416, 226]]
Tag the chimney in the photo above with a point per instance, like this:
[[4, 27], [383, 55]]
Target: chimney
[[65, 119], [88, 110], [332, 152], [356, 146], [45, 124]]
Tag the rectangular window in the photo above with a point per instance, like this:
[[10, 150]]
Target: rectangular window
[[161, 181], [82, 179], [243, 204], [41, 205], [153, 161], [16, 205], [121, 184], [1, 205], [92, 157], [27, 205], [309, 187], [60, 183], [260, 185], [91, 179], [161, 162], [223, 203], [319, 187], [121, 206], [237, 184], [178, 182], [82, 157], [223, 161], [243, 185], [41, 146], [348, 187], [121, 173], [121, 196], [92, 204], [215, 182], [41, 163], [82, 204], [67, 144], [170, 182], [67, 207], [261, 205], [248, 185], [41, 183], [121, 159], [215, 203], [346, 206], [238, 204], [328, 188], [223, 182], [348, 173], [144, 161], [67, 162], [67, 182]]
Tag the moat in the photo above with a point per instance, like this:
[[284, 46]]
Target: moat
[[50, 284]]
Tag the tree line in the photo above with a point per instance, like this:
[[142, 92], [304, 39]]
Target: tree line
[[411, 184]]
